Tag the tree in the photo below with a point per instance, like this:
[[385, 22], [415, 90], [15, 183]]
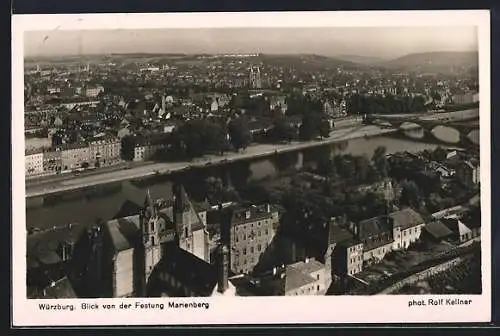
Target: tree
[[325, 129], [127, 148], [439, 154], [379, 160], [436, 96], [410, 195], [214, 189], [283, 131], [239, 133], [362, 168]]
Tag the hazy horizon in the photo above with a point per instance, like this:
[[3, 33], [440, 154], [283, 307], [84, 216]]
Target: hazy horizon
[[379, 42]]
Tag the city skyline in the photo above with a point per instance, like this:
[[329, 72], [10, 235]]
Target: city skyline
[[376, 42]]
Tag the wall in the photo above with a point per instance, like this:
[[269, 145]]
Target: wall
[[199, 244], [123, 277], [355, 258], [410, 235], [423, 275], [378, 253]]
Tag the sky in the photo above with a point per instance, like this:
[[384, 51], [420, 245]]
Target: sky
[[383, 42]]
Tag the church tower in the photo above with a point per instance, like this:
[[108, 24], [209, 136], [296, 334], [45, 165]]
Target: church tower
[[150, 247], [182, 218]]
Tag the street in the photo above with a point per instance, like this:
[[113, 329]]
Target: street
[[70, 182]]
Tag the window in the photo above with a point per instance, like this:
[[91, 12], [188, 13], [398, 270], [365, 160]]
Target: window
[[152, 240], [317, 277], [245, 251], [152, 226], [317, 287], [258, 247], [251, 249]]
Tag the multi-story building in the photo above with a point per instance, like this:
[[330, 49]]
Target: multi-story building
[[147, 147], [278, 102], [33, 163], [105, 152], [74, 156], [376, 236], [305, 277], [407, 227], [252, 230], [349, 257], [52, 161], [94, 91], [469, 172]]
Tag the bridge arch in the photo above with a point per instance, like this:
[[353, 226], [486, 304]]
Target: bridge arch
[[446, 134]]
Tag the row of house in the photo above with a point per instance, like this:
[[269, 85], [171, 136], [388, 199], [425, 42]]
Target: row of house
[[100, 152], [345, 249]]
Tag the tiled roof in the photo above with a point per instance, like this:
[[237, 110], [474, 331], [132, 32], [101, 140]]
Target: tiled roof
[[455, 225], [193, 272], [340, 235], [295, 279], [373, 226], [124, 232], [308, 267], [406, 218], [438, 230]]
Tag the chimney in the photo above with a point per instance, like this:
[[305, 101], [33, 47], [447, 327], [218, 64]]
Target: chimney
[[223, 268]]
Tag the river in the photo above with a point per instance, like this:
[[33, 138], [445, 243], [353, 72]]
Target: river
[[105, 202]]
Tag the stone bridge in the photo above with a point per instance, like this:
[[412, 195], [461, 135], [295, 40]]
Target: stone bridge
[[443, 129]]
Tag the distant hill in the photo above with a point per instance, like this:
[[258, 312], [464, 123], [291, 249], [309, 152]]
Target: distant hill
[[365, 60], [433, 61], [306, 61]]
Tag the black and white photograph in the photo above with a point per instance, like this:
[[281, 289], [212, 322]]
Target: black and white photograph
[[169, 166]]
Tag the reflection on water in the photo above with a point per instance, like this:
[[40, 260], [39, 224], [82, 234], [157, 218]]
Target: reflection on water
[[88, 208]]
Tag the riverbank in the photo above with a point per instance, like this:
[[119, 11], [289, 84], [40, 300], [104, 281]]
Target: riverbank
[[166, 168]]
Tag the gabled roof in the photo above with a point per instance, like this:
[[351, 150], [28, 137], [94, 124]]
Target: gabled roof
[[373, 227], [438, 230], [193, 272], [406, 218], [456, 226], [339, 235], [308, 267], [295, 279], [123, 232]]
